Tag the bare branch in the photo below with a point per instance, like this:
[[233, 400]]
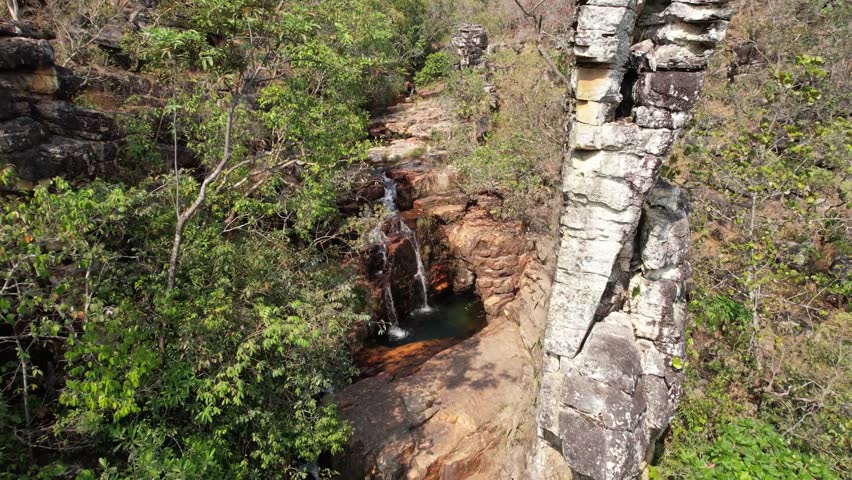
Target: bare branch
[[13, 9], [190, 212]]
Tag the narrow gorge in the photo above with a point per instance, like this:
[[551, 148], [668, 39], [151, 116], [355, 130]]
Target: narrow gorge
[[610, 370], [594, 397]]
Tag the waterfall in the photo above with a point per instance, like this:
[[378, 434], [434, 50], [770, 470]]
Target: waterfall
[[377, 236], [389, 198], [421, 272], [395, 332], [389, 201]]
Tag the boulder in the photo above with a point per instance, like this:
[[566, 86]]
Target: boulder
[[25, 53], [11, 28], [68, 120], [61, 156], [42, 134], [676, 91], [20, 134]]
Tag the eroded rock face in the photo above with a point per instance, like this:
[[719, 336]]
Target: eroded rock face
[[489, 254], [614, 339], [470, 42], [41, 134], [463, 413]]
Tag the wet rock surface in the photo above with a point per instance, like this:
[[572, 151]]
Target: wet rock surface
[[453, 408]]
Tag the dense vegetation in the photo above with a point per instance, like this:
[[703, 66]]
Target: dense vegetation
[[171, 323], [767, 164]]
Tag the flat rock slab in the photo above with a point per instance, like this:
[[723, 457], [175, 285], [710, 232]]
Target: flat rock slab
[[443, 418]]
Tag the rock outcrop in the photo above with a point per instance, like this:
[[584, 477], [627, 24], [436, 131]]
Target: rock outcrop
[[613, 346], [41, 133], [131, 17], [470, 42], [464, 413]]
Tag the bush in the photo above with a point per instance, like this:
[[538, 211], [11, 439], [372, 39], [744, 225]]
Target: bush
[[749, 449], [438, 65], [492, 168], [467, 89]]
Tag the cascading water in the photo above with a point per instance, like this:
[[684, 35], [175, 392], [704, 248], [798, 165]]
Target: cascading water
[[395, 332], [421, 272], [389, 198]]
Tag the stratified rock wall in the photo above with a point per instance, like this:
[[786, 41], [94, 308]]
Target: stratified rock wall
[[614, 341], [41, 134]]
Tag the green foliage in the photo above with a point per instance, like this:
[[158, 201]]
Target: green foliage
[[518, 160], [813, 391], [328, 131], [220, 378], [767, 355], [438, 66], [494, 168], [749, 450], [467, 90], [725, 315], [224, 376]]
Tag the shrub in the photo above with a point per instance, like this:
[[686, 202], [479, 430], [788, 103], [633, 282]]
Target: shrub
[[467, 89], [749, 449], [438, 65]]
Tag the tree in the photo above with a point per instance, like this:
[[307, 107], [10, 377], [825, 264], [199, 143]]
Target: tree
[[185, 326]]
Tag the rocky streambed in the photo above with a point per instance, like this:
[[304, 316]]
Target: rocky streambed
[[449, 390]]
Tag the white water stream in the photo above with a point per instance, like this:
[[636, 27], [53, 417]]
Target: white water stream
[[395, 332]]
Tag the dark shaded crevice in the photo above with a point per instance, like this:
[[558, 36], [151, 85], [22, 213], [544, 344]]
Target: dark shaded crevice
[[623, 110], [553, 440]]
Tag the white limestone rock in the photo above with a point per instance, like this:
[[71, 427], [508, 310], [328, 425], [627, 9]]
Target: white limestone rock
[[653, 117], [594, 113], [698, 12], [682, 32], [607, 20], [628, 138]]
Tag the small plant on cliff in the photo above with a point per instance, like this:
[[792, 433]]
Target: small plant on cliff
[[467, 90], [518, 158]]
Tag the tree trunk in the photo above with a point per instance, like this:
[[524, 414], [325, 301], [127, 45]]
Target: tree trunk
[[13, 9], [190, 212]]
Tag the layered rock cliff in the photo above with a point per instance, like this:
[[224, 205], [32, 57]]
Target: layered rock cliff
[[41, 133], [614, 343]]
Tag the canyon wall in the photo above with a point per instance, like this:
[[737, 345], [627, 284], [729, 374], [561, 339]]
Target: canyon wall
[[614, 343]]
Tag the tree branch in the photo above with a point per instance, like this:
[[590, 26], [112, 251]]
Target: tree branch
[[190, 212], [537, 21]]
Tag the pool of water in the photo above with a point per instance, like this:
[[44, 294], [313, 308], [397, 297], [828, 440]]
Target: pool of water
[[453, 316]]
